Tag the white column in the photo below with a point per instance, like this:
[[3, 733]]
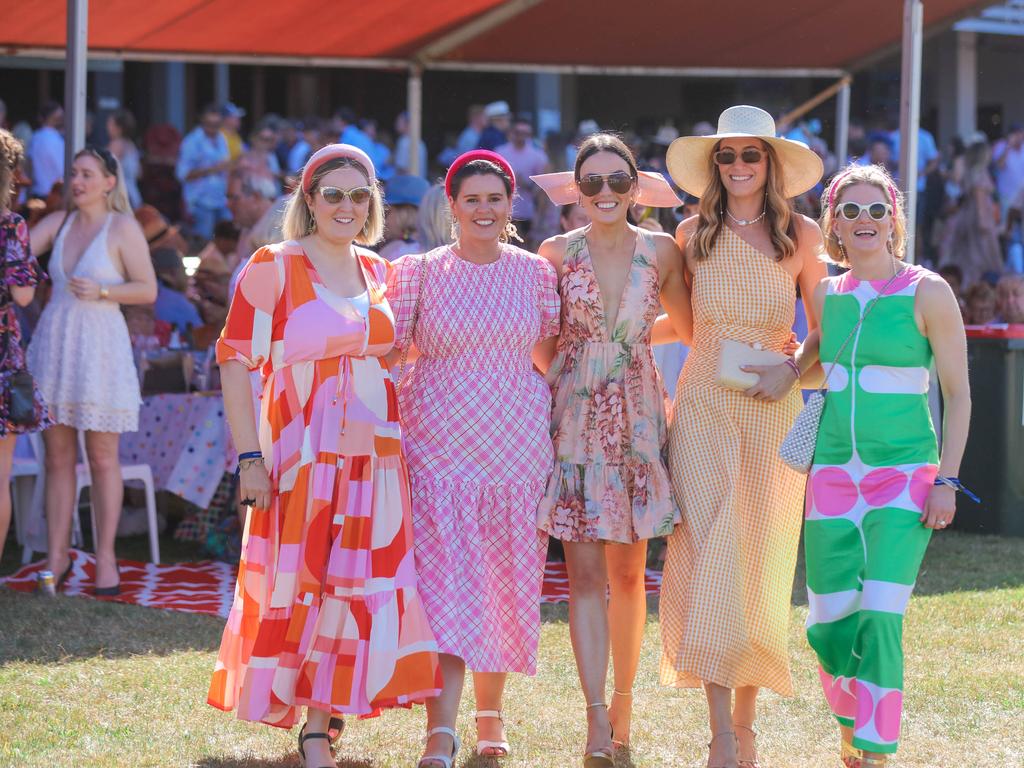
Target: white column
[[966, 83], [843, 125], [414, 105], [910, 113], [74, 83]]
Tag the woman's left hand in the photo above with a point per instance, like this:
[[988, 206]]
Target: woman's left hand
[[85, 289], [774, 382], [791, 346], [940, 508]]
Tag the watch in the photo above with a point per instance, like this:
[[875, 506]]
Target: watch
[[104, 292]]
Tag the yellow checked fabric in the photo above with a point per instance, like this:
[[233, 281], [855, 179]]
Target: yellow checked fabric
[[729, 569]]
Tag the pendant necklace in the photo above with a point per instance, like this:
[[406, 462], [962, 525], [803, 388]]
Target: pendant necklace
[[748, 222]]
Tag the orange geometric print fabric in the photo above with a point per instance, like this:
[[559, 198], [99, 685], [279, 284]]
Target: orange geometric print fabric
[[326, 610]]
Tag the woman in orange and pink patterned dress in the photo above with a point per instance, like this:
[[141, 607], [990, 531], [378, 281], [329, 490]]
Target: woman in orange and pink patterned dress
[[326, 613]]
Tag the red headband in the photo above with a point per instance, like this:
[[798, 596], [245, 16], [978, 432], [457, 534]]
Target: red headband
[[477, 154], [834, 188], [333, 152]]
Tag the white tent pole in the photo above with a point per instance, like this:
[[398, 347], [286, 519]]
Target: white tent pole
[[910, 114], [74, 84], [843, 125], [414, 106]]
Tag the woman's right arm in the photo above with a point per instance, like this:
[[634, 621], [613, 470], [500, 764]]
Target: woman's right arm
[[254, 479]]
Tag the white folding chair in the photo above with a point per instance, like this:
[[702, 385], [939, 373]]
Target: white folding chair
[[28, 479], [138, 472]]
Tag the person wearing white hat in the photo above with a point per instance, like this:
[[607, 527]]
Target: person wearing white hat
[[499, 119], [729, 567]]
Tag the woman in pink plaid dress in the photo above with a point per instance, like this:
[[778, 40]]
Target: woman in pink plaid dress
[[477, 315]]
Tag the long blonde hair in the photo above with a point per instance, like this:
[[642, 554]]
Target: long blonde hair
[[778, 212], [876, 176], [298, 219], [117, 200], [11, 154]]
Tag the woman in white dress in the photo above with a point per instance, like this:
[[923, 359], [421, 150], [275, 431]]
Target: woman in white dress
[[81, 355], [121, 130]]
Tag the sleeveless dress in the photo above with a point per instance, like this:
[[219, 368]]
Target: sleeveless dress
[[475, 419], [874, 466], [729, 567], [608, 422], [326, 612], [81, 354], [20, 268]]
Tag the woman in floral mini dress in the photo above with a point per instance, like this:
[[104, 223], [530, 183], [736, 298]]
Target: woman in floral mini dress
[[609, 492]]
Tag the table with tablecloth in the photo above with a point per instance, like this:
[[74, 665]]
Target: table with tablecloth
[[184, 438]]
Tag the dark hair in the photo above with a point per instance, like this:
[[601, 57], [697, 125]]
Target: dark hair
[[480, 168], [47, 110], [211, 108], [226, 230], [346, 114], [124, 120], [567, 209], [953, 270], [604, 142]]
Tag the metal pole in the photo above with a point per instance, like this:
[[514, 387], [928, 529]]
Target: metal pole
[[843, 125], [74, 84], [910, 115], [221, 83], [415, 108]]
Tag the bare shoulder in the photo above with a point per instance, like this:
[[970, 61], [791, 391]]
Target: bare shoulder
[[125, 224], [935, 293], [686, 228], [50, 222], [552, 250], [807, 230]]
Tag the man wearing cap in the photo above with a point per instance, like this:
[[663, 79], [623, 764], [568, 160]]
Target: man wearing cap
[[203, 160], [403, 195], [498, 117], [230, 128], [527, 160], [1008, 155]]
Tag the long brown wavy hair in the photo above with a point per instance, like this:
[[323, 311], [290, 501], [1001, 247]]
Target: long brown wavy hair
[[778, 212]]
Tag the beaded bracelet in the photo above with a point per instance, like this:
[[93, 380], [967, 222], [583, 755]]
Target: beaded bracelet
[[956, 485]]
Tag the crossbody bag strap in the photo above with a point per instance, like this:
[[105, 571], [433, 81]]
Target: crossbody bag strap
[[853, 331]]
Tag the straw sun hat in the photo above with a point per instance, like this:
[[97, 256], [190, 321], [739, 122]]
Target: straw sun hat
[[689, 163]]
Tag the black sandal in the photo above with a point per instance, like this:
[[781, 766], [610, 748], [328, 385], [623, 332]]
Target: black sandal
[[335, 724]]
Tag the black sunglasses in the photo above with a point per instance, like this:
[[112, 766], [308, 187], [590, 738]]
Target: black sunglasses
[[749, 155], [619, 182], [104, 156]]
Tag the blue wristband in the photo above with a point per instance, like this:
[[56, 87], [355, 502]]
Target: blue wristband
[[956, 485], [250, 455]]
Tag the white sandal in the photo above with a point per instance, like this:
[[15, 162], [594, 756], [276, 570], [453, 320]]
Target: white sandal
[[482, 744], [447, 760]]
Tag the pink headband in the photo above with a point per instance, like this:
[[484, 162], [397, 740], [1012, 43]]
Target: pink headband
[[834, 188], [333, 152], [653, 190], [477, 154]]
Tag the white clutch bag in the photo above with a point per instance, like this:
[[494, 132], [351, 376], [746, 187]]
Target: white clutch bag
[[733, 354]]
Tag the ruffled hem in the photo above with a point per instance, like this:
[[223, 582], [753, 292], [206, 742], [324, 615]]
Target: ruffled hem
[[93, 418], [621, 503]]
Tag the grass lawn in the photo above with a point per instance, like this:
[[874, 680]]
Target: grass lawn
[[90, 684]]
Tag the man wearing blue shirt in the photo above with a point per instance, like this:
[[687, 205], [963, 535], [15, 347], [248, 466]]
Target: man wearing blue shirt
[[172, 306], [350, 133], [46, 150], [203, 162]]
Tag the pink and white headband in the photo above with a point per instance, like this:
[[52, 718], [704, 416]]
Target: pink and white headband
[[334, 152]]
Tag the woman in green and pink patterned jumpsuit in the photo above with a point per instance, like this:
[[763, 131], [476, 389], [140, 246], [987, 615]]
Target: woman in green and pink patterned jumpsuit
[[878, 487]]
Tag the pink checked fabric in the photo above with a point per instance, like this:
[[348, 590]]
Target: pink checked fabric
[[609, 421], [475, 415]]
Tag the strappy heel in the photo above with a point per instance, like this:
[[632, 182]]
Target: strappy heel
[[718, 736], [446, 760], [873, 762], [482, 744], [850, 755], [747, 762], [304, 737], [600, 758], [619, 743]]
